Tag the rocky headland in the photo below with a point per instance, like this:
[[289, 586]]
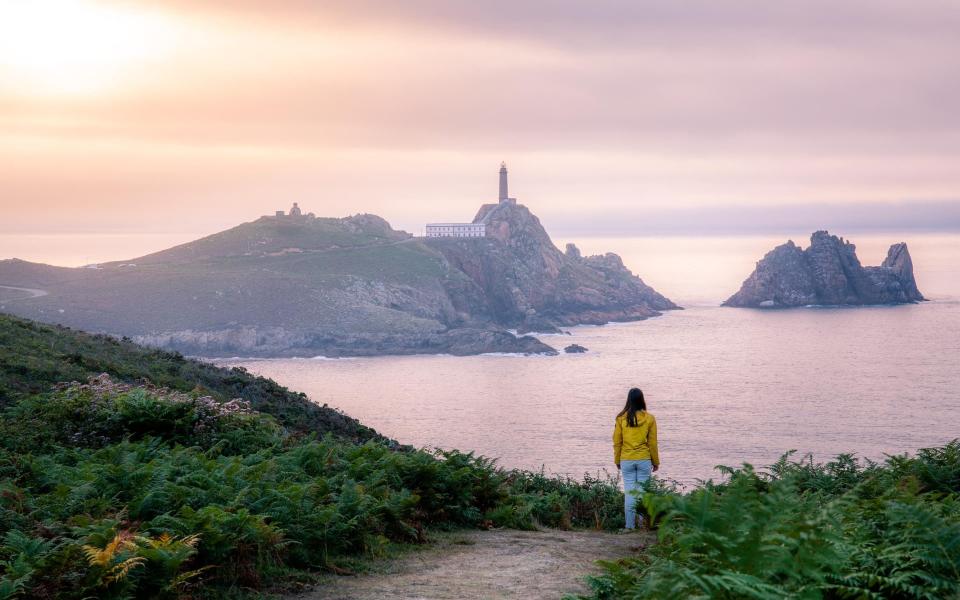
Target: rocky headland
[[827, 273], [525, 281], [298, 285]]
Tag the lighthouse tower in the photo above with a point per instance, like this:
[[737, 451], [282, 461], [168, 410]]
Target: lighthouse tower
[[504, 195]]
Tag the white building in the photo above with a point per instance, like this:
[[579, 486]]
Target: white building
[[456, 230]]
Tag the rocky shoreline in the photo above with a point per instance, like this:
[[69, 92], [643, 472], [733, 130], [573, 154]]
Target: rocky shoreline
[[251, 343]]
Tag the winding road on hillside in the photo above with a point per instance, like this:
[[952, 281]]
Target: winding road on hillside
[[502, 563], [31, 293]]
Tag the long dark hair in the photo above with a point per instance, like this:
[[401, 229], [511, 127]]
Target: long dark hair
[[635, 404]]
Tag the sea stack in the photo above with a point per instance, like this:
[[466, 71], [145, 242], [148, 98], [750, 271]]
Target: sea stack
[[827, 273]]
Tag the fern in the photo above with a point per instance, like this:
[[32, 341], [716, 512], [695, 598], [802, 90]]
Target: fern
[[116, 559], [13, 588], [805, 530]]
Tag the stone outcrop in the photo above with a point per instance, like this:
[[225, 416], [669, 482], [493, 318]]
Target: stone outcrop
[[898, 262], [574, 349], [528, 283], [827, 273]]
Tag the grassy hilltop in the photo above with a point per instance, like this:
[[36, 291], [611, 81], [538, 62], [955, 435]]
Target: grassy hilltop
[[265, 287]]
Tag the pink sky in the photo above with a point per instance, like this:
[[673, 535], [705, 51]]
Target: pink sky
[[116, 117]]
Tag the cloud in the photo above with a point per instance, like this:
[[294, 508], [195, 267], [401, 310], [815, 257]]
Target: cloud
[[635, 105]]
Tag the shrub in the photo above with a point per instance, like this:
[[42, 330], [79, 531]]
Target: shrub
[[113, 490], [103, 411], [805, 530]]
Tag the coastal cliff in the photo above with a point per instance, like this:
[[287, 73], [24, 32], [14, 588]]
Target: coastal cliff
[[828, 272], [528, 283], [299, 285]]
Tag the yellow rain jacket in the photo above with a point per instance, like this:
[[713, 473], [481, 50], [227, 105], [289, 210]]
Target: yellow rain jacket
[[636, 443]]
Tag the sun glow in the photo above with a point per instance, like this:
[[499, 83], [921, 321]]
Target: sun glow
[[54, 47]]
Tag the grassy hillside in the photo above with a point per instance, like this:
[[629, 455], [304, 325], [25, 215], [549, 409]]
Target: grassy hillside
[[34, 357], [300, 276], [269, 236]]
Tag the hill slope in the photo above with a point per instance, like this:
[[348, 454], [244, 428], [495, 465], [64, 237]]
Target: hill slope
[[34, 357]]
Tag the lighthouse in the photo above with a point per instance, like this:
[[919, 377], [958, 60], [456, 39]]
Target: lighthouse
[[504, 195], [503, 182]]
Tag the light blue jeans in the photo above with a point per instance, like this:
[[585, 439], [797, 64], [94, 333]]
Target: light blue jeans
[[635, 475]]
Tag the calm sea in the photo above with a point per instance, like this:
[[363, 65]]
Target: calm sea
[[727, 385]]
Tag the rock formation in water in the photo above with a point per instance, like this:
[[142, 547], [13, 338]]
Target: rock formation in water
[[828, 272], [305, 286], [574, 349]]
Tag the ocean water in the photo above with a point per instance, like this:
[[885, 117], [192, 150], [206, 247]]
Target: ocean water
[[727, 385]]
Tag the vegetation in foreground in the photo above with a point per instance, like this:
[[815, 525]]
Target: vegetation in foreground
[[845, 529], [221, 483], [167, 477], [113, 490]]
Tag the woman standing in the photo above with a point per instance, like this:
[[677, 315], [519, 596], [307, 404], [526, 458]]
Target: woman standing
[[635, 451]]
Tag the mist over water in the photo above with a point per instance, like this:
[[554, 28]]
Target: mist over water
[[727, 385]]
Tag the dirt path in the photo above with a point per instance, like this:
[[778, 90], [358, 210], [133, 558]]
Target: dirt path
[[30, 293], [486, 564]]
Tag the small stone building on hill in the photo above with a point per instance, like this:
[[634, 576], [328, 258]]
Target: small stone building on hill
[[294, 212]]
